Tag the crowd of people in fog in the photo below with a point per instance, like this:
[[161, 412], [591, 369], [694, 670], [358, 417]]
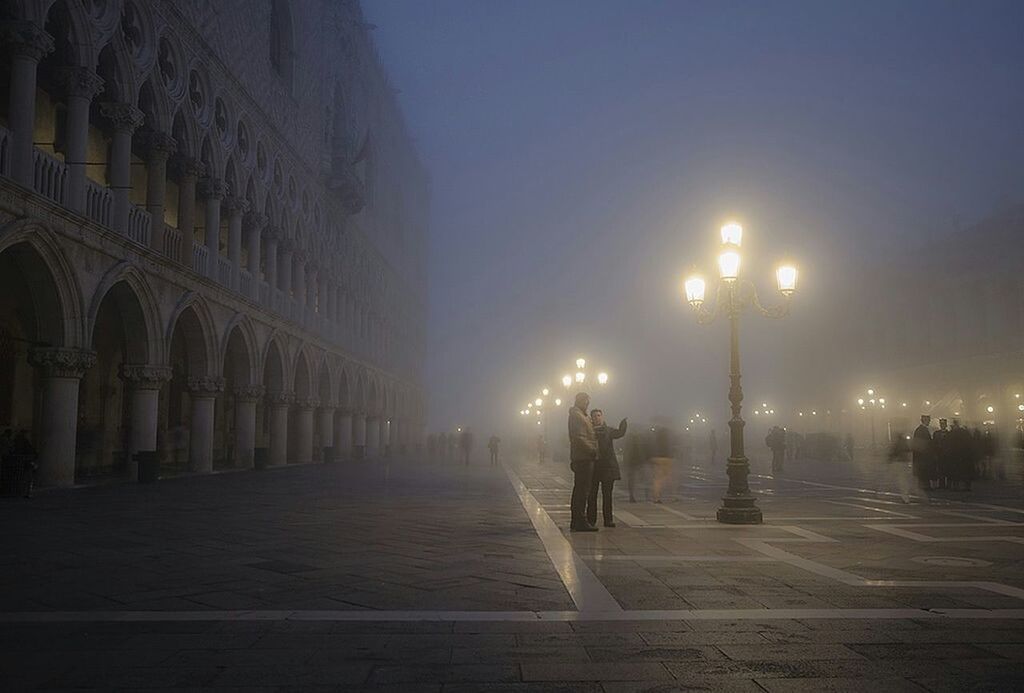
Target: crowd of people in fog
[[950, 457]]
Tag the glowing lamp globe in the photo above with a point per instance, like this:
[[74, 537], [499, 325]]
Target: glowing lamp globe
[[786, 276], [580, 363], [732, 234], [566, 380], [602, 378], [729, 265], [695, 289], [581, 376]]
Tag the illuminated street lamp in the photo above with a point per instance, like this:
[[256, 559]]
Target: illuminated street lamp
[[602, 378], [869, 404], [732, 295], [567, 381], [558, 402]]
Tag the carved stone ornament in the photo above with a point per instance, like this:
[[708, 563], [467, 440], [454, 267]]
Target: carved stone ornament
[[205, 385], [123, 116], [25, 38], [59, 362], [145, 376], [254, 220], [249, 393], [187, 167], [307, 403], [280, 399], [160, 144], [213, 189], [235, 205], [80, 81]]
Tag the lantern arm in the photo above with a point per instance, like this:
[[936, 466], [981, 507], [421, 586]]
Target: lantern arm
[[777, 311]]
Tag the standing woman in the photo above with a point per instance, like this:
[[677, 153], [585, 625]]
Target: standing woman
[[606, 471]]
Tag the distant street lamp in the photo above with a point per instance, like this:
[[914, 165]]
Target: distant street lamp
[[869, 404], [732, 295]]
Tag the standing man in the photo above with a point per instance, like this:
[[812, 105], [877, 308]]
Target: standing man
[[582, 455], [923, 454], [466, 443], [493, 444], [606, 471]]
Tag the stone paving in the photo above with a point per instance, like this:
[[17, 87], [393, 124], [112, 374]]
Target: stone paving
[[416, 575]]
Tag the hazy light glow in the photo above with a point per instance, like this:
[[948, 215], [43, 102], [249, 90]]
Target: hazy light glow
[[558, 402], [786, 276], [729, 265], [581, 376], [545, 392], [538, 401], [581, 363], [567, 380], [695, 290], [602, 378], [732, 234]]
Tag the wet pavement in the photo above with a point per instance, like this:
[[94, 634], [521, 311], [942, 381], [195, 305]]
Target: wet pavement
[[422, 575]]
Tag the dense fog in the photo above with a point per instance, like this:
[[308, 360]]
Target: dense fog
[[584, 154]]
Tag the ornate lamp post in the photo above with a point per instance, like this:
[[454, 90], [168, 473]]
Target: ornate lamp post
[[870, 403], [731, 297]]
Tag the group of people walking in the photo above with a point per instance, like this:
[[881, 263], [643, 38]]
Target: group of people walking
[[594, 463], [949, 457]]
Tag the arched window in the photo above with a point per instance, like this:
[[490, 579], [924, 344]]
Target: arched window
[[282, 46]]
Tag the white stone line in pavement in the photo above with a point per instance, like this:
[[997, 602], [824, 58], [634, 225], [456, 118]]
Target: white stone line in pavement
[[680, 513], [587, 592], [649, 558], [861, 506], [482, 616], [915, 536], [630, 519]]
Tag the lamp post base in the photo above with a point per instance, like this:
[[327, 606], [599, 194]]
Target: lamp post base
[[739, 510]]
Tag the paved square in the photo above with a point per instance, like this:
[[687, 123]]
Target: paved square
[[416, 575]]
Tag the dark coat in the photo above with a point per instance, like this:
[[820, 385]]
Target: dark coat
[[607, 468], [923, 452]]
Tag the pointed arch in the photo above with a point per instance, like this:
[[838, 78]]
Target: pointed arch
[[201, 334], [147, 345], [240, 328], [67, 307], [273, 366]]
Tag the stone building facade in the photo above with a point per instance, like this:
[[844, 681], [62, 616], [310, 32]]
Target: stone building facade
[[212, 236]]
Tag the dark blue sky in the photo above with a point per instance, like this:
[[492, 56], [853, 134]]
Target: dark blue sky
[[584, 153]]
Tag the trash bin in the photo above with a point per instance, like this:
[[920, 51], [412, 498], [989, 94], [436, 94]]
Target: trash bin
[[149, 466], [259, 458], [16, 473], [329, 454]]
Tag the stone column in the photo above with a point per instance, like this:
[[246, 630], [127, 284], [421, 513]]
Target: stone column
[[304, 429], [278, 402], [326, 426], [80, 85], [343, 434], [312, 282], [235, 207], [160, 147], [270, 239], [61, 370], [124, 118], [144, 382], [254, 223], [188, 171], [299, 284], [246, 397], [284, 264], [214, 191], [372, 436], [359, 435], [204, 391], [28, 43]]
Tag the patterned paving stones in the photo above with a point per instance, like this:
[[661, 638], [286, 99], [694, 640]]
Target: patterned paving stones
[[416, 576]]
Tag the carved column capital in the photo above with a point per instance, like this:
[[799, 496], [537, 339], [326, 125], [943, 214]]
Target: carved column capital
[[79, 81], [235, 205], [249, 393], [159, 145], [280, 399], [59, 362], [123, 116], [307, 403], [186, 166], [25, 38], [144, 376], [273, 235], [287, 245], [254, 220], [213, 188], [205, 385]]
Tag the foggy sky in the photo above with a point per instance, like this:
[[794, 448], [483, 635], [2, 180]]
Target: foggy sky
[[584, 153]]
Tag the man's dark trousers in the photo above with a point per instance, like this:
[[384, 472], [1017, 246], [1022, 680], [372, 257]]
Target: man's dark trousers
[[583, 474], [606, 501]]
